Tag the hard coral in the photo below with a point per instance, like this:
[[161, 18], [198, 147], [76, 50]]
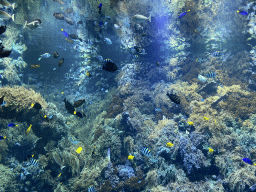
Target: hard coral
[[19, 101]]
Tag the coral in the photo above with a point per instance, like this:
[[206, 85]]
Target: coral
[[8, 183], [19, 101], [241, 179], [115, 107], [125, 172]]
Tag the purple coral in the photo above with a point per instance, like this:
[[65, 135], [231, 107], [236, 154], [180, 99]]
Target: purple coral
[[125, 172], [111, 176]]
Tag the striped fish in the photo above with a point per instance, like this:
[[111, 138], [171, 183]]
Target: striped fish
[[34, 162], [91, 189], [173, 98], [216, 54], [145, 151], [211, 74]]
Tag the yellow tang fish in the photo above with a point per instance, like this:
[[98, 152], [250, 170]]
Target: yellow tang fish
[[210, 150], [29, 128], [190, 123], [79, 150], [169, 144], [130, 157], [206, 118]]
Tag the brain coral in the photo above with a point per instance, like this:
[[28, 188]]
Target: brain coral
[[18, 103]]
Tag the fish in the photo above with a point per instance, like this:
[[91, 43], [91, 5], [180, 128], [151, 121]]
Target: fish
[[55, 54], [116, 26], [174, 98], [183, 14], [210, 150], [211, 74], [109, 65], [69, 107], [7, 4], [2, 29], [45, 55], [242, 12], [145, 151], [6, 15], [141, 18], [191, 123], [33, 24], [169, 144], [29, 129], [59, 1], [158, 110], [79, 150], [59, 175], [64, 32], [206, 118], [2, 137], [100, 7], [216, 53], [91, 189], [61, 62], [100, 58], [69, 40], [12, 125], [79, 114], [74, 36], [130, 157], [33, 66], [36, 106], [79, 23], [93, 151], [58, 16], [78, 103], [157, 64], [69, 10], [140, 50], [249, 161], [34, 162], [5, 53], [108, 41], [2, 102], [69, 21]]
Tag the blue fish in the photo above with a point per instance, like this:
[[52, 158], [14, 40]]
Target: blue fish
[[249, 161], [100, 23], [3, 103], [100, 6], [202, 100], [183, 14], [11, 125], [64, 32], [242, 12], [91, 189]]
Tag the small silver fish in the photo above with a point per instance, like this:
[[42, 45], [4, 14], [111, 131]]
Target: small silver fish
[[141, 18], [45, 55], [7, 4], [108, 41], [6, 15]]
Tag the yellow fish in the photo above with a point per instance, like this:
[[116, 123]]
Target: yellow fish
[[32, 104], [190, 123], [210, 150], [169, 144], [45, 116], [87, 73], [79, 150], [29, 129], [206, 118], [62, 92], [59, 175], [130, 157], [74, 112]]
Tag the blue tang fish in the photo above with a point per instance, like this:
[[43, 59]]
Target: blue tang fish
[[242, 12], [64, 32], [183, 14], [249, 161]]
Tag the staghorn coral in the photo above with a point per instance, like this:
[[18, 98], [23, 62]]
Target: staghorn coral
[[19, 101]]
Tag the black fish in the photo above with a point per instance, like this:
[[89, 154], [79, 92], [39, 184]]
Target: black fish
[[79, 22], [1, 100], [69, 107], [174, 98], [2, 29], [109, 65], [37, 106], [61, 62], [79, 114], [4, 53], [69, 21], [55, 54], [78, 103], [74, 36], [59, 16]]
